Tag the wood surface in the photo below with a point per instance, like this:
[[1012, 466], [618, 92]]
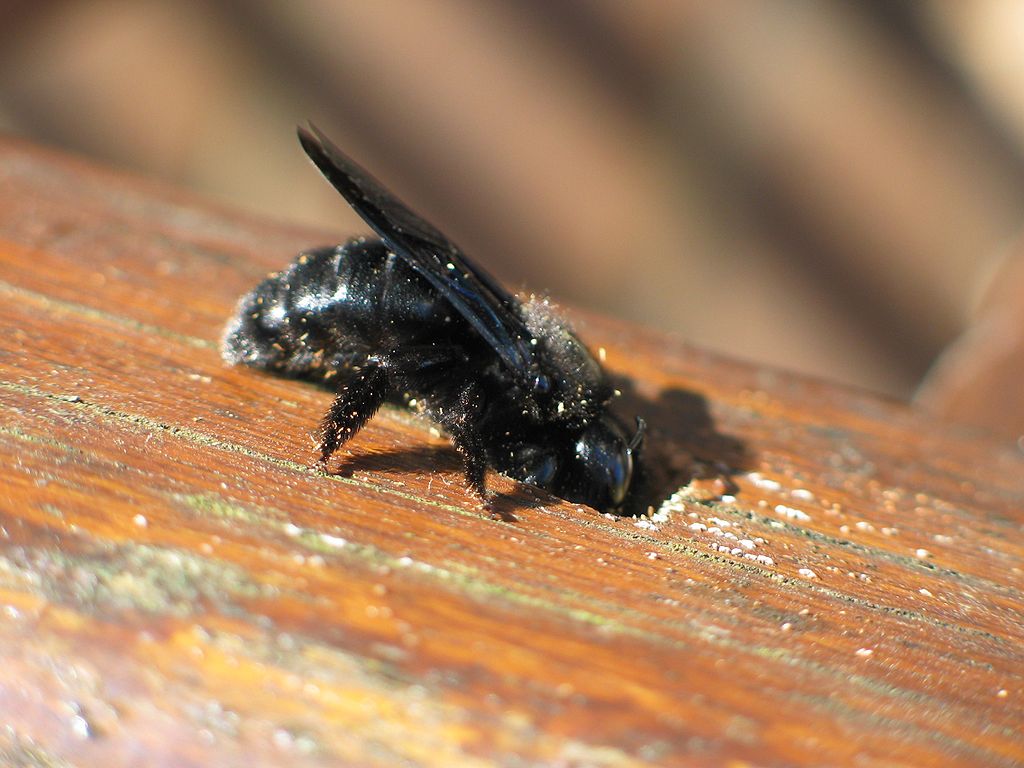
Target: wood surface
[[826, 578]]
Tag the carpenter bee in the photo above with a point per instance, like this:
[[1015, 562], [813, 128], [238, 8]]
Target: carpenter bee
[[407, 316]]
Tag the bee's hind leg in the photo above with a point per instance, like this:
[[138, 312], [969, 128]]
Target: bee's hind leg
[[360, 397]]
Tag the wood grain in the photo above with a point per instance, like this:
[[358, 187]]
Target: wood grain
[[825, 578]]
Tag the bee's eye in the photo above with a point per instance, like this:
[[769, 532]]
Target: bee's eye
[[541, 384], [607, 461]]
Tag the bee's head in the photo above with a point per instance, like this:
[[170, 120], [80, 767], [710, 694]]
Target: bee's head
[[602, 468]]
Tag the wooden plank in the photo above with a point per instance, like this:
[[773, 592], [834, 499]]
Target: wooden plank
[[976, 380], [841, 583]]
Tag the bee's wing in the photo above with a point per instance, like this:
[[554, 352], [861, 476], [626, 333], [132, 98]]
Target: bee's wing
[[474, 293]]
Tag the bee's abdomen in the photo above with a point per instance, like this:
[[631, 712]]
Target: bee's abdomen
[[329, 309]]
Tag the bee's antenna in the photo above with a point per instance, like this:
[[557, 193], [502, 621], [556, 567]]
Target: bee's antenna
[[638, 438]]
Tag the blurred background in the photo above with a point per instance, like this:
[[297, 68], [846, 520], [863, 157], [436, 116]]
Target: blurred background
[[835, 188]]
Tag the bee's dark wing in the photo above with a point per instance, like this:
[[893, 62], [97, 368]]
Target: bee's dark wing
[[474, 293]]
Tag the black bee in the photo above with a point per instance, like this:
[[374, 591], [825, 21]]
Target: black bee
[[408, 316]]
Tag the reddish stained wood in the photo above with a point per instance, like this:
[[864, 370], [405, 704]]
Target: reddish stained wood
[[179, 588]]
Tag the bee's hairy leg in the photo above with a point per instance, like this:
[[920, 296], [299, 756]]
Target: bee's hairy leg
[[359, 398], [463, 426]]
